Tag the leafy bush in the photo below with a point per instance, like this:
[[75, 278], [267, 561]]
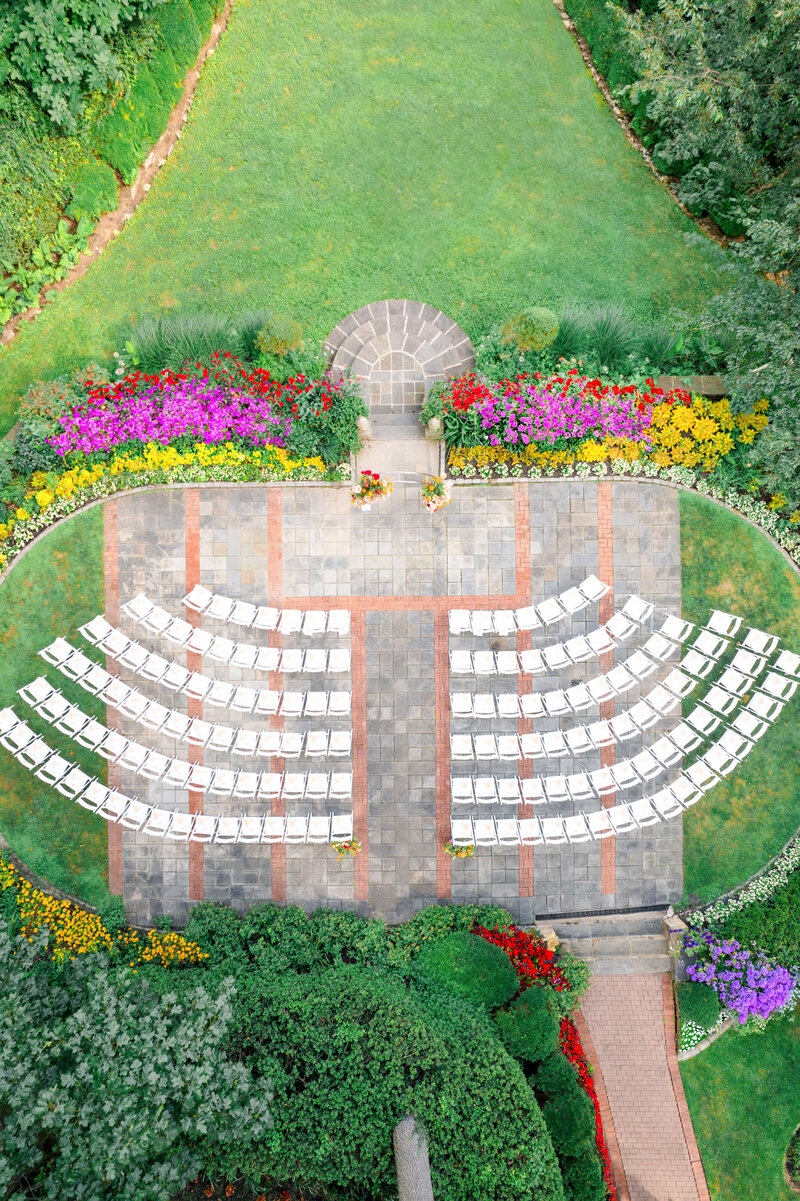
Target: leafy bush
[[532, 329], [94, 191], [279, 335], [178, 28], [6, 451], [555, 1077], [570, 1121], [32, 453], [698, 1003], [473, 968], [576, 972], [583, 1177], [103, 1081], [610, 337], [46, 400], [771, 925], [529, 1026], [247, 326], [169, 340], [310, 363]]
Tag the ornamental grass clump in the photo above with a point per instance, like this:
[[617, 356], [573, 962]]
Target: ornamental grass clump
[[746, 982]]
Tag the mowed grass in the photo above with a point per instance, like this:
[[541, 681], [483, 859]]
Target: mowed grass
[[340, 153], [744, 1099], [54, 589], [745, 820]]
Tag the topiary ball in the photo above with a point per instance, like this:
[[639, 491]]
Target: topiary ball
[[529, 1026], [532, 329], [475, 969], [279, 335], [556, 1077]]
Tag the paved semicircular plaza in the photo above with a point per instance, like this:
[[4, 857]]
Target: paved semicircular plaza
[[399, 571]]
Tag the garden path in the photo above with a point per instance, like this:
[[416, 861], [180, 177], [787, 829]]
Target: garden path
[[631, 1021]]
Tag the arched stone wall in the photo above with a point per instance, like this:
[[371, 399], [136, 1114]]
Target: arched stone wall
[[398, 348]]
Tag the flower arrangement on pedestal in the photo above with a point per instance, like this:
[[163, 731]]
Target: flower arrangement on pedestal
[[436, 493], [351, 847], [371, 488], [459, 852]]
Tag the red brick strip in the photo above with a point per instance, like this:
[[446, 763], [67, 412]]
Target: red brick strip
[[111, 578], [441, 676], [275, 591], [623, 1194], [605, 542], [522, 539], [358, 669], [671, 1039], [194, 662]]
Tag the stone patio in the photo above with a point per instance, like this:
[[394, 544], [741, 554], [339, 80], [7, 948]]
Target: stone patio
[[399, 570]]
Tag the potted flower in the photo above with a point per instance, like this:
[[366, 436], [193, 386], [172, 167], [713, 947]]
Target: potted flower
[[371, 488], [459, 852], [436, 493], [351, 847]]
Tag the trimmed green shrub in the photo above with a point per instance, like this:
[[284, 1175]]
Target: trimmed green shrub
[[31, 453], [529, 1026], [310, 363], [532, 329], [576, 972], [178, 27], [570, 1121], [247, 326], [473, 968], [556, 1077], [278, 335], [698, 1003], [94, 191], [168, 340], [603, 27], [583, 1176]]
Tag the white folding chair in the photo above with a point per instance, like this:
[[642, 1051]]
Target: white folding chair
[[461, 832], [96, 630], [602, 781], [624, 775], [35, 693], [341, 743], [600, 641], [155, 765], [577, 829], [508, 790], [481, 622], [57, 652], [639, 665], [73, 721], [54, 708], [485, 746], [507, 704], [138, 607], [601, 734], [93, 796], [532, 746], [532, 791], [705, 721], [711, 645], [157, 620], [341, 785], [507, 663], [579, 698], [594, 589], [553, 831], [268, 658], [223, 781], [227, 829], [291, 745], [222, 649], [250, 829], [530, 832], [507, 831], [315, 661], [768, 707], [483, 705], [339, 660], [220, 608], [646, 765], [199, 731], [621, 819], [274, 828], [205, 827], [485, 790], [199, 778], [459, 621], [268, 702], [316, 743], [555, 789], [339, 622], [504, 622], [180, 827], [643, 812], [619, 678], [508, 746], [112, 745], [554, 744], [676, 629], [620, 627], [725, 624], [599, 824], [221, 739], [76, 666], [266, 618], [461, 746], [485, 832], [532, 705], [666, 752], [550, 611], [579, 787], [461, 790], [198, 599], [115, 693], [532, 662], [155, 668], [719, 761], [118, 646], [341, 827], [91, 735], [113, 807], [133, 757], [578, 740], [573, 600], [246, 787], [788, 663], [178, 631], [175, 677], [270, 785], [601, 690], [749, 725], [219, 694], [461, 663], [556, 703], [294, 785], [319, 829], [316, 785], [244, 699], [244, 656], [638, 610], [179, 774], [759, 642], [678, 683], [696, 664], [734, 682], [269, 743], [292, 704], [135, 815], [199, 642], [53, 769], [197, 686], [579, 649], [316, 704], [666, 804], [701, 775], [296, 829], [748, 663], [314, 623], [158, 823], [660, 700], [34, 754], [734, 743], [527, 618], [659, 648], [556, 657], [291, 621], [623, 727], [461, 704], [243, 614]]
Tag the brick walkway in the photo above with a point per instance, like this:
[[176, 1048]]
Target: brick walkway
[[399, 570], [632, 1032]]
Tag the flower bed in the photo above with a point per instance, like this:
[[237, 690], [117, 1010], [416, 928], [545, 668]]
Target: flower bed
[[747, 983], [535, 966], [74, 931]]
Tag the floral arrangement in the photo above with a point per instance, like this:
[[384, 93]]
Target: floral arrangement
[[459, 852], [350, 847], [214, 406], [74, 931], [436, 493], [691, 1034], [760, 888], [536, 965], [371, 488], [747, 985]]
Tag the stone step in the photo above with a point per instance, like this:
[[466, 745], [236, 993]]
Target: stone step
[[621, 945], [634, 965], [607, 925]]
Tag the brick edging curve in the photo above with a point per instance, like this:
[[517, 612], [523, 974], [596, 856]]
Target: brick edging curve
[[130, 196], [614, 1153], [671, 1045]]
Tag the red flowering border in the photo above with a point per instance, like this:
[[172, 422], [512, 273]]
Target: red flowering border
[[535, 964]]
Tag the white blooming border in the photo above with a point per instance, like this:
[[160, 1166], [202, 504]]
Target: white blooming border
[[760, 887], [26, 532]]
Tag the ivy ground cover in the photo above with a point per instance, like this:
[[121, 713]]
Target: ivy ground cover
[[746, 819], [448, 155]]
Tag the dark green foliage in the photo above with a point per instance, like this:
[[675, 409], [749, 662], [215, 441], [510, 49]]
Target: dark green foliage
[[602, 26], [103, 1081], [698, 1003], [126, 133], [63, 51], [576, 972], [657, 344], [6, 451], [169, 340], [32, 453], [583, 1177], [532, 329], [178, 28], [771, 925], [556, 1077], [570, 1121], [167, 78], [529, 1026], [247, 326], [611, 338], [308, 362], [471, 967], [94, 191], [279, 335], [46, 400]]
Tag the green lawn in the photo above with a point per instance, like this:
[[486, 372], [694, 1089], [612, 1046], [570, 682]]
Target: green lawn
[[744, 1099], [745, 820], [341, 153], [55, 588]]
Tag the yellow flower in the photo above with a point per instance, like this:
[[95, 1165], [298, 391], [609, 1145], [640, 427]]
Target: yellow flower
[[777, 501], [44, 498], [22, 514], [705, 428]]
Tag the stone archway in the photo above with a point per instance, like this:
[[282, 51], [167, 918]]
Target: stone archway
[[398, 348]]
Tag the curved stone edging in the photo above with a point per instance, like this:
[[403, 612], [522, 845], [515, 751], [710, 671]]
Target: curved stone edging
[[130, 196], [705, 1042]]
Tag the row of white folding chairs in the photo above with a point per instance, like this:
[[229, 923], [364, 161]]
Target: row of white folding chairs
[[259, 617], [243, 655], [71, 719], [556, 831], [531, 617], [34, 753], [265, 828]]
